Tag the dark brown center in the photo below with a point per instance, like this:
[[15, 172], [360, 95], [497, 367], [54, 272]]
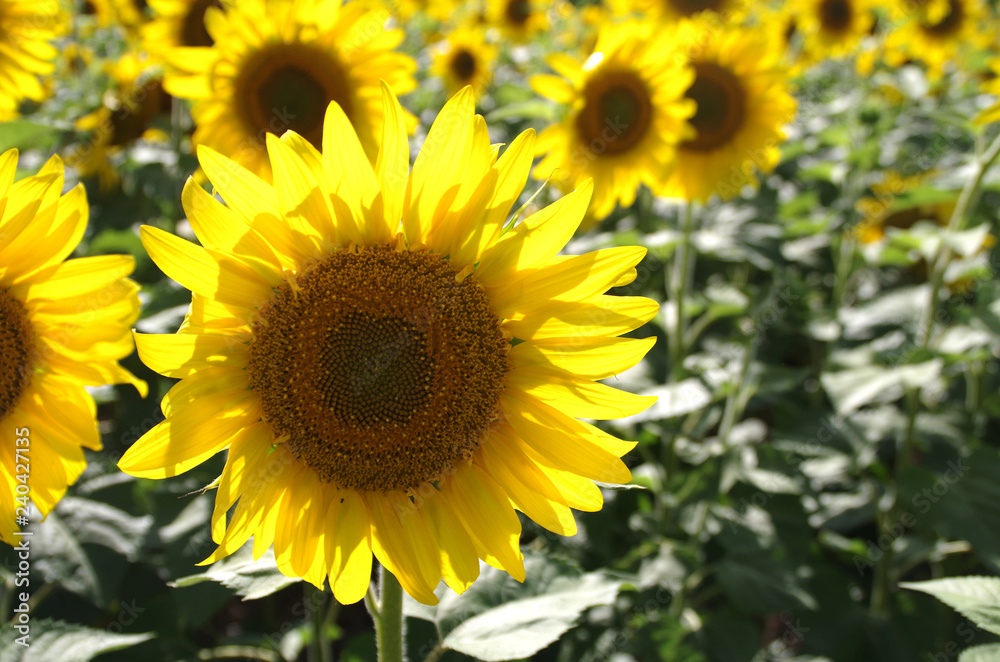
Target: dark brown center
[[379, 367], [692, 7], [193, 30], [616, 114], [463, 65], [950, 23], [288, 87], [518, 11], [835, 15], [136, 110], [17, 349], [721, 104]]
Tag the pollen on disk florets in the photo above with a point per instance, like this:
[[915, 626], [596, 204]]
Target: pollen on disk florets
[[17, 341], [380, 367]]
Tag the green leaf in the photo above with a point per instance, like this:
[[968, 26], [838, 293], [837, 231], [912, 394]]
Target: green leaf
[[56, 641], [759, 585], [976, 598], [522, 628], [27, 135], [499, 619], [984, 653], [250, 579]]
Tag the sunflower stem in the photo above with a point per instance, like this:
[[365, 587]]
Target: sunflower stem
[[389, 623], [683, 265]]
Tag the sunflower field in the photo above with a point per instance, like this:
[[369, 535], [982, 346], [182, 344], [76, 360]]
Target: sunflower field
[[574, 331]]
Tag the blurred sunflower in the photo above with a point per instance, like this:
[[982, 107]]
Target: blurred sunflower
[[725, 11], [743, 100], [518, 20], [390, 371], [465, 58], [177, 23], [26, 29], [833, 29], [128, 108], [938, 33], [886, 206], [130, 15], [626, 114], [991, 86], [63, 326], [275, 66]]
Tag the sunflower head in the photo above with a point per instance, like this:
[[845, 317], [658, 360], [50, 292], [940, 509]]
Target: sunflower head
[[625, 114], [276, 64], [63, 326], [833, 28], [392, 369], [465, 58], [938, 34], [742, 97], [518, 20], [124, 117]]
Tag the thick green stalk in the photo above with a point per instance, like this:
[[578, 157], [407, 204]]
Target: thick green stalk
[[680, 283], [389, 622]]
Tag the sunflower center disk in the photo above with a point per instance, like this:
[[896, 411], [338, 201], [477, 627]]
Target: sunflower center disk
[[951, 22], [379, 368], [463, 65], [193, 31], [721, 107], [16, 349], [835, 15], [617, 113], [518, 11], [289, 86]]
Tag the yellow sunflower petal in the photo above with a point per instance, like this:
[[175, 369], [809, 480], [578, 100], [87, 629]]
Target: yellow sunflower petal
[[484, 509], [566, 442], [404, 545], [439, 167], [196, 432], [182, 355], [348, 546], [209, 273]]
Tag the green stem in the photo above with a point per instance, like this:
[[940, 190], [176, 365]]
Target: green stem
[[389, 623], [321, 643], [940, 264], [680, 282], [436, 653], [239, 652]]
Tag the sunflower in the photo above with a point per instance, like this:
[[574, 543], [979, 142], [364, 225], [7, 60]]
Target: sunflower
[[275, 66], [833, 29], [626, 114], [518, 20], [26, 29], [991, 86], [465, 58], [937, 34], [123, 118], [716, 11], [391, 372], [63, 326], [177, 24], [743, 101], [886, 205]]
